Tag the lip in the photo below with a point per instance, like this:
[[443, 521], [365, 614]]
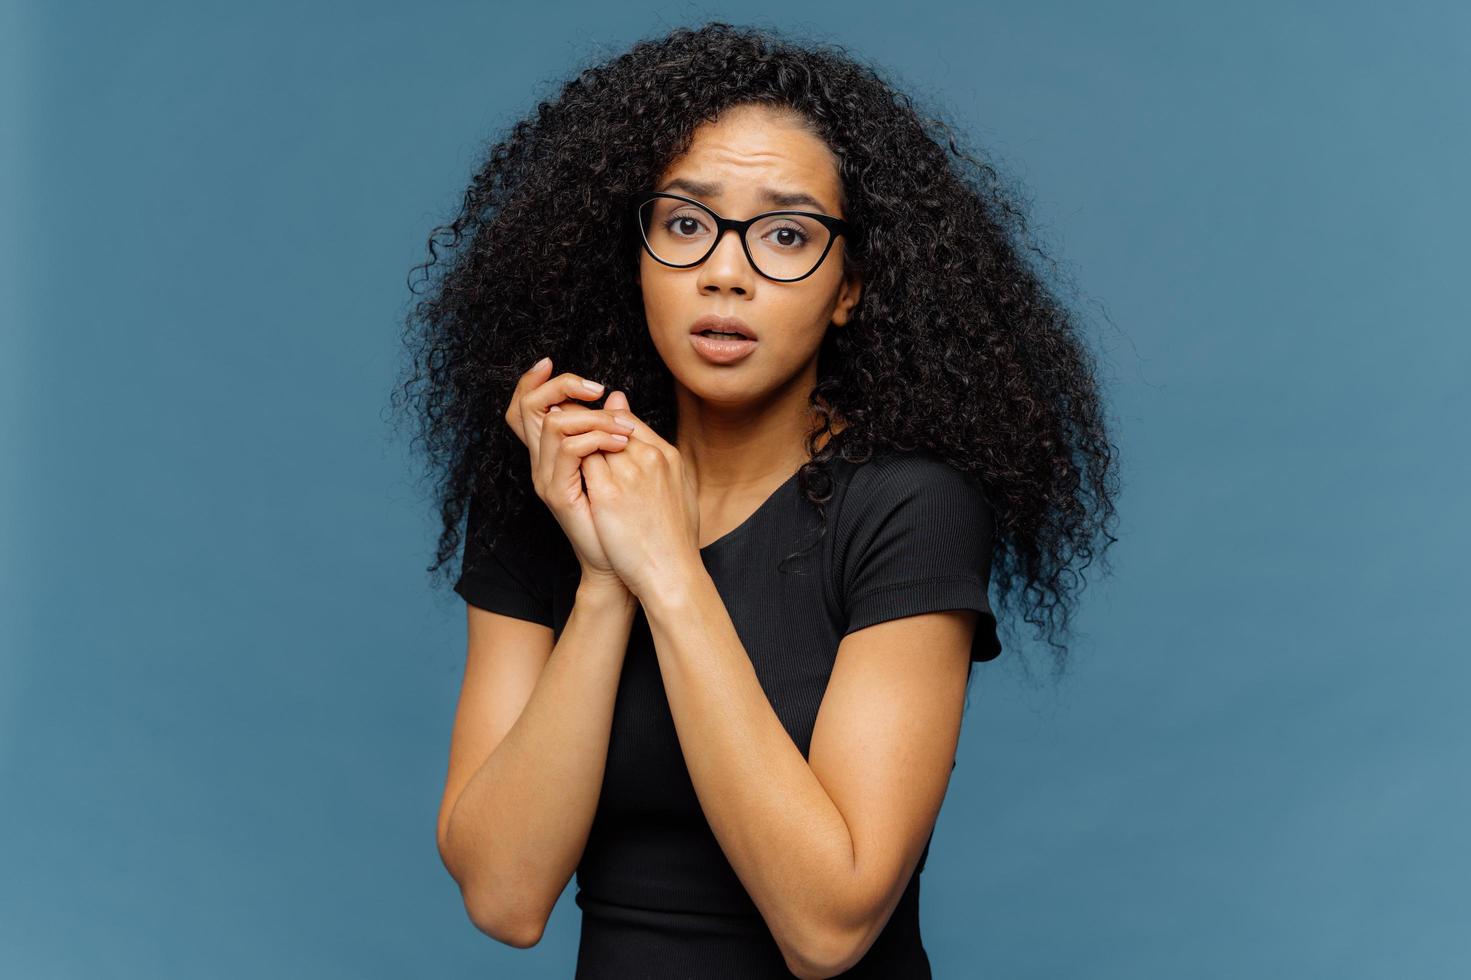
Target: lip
[[723, 351], [730, 324]]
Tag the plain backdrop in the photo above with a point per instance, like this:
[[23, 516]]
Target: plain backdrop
[[227, 683]]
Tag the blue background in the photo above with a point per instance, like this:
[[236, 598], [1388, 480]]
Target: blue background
[[227, 687]]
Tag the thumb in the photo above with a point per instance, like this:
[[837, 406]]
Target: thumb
[[616, 400]]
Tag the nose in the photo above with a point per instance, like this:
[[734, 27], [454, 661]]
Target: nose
[[727, 265]]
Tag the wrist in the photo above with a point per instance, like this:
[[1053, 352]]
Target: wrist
[[604, 590], [675, 587]]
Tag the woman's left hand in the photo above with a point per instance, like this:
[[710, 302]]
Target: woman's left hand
[[645, 506]]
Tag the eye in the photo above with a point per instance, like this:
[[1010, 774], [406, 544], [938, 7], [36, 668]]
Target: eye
[[801, 237], [682, 221]]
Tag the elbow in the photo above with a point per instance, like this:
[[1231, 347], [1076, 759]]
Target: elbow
[[805, 970], [486, 913], [519, 937], [522, 932], [825, 953]]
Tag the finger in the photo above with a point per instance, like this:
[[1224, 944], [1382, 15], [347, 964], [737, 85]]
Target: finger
[[563, 387], [617, 406], [536, 392], [575, 448], [578, 418], [529, 379], [535, 374], [597, 473], [566, 464], [562, 425]]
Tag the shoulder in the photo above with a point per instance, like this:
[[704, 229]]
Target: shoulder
[[914, 534], [513, 567], [919, 465], [918, 482]]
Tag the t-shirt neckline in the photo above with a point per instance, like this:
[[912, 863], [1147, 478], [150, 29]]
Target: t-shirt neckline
[[751, 518]]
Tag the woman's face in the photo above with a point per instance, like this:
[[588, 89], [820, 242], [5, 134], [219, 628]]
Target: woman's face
[[729, 167]]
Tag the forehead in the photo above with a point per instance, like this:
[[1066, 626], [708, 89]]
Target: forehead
[[756, 156]]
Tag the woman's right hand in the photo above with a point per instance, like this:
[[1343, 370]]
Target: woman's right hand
[[558, 432]]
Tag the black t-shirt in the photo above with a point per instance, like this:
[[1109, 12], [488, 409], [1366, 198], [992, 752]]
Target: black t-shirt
[[907, 534]]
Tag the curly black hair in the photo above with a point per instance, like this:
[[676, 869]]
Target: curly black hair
[[957, 347]]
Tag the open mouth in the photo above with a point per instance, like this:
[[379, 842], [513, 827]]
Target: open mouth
[[721, 346]]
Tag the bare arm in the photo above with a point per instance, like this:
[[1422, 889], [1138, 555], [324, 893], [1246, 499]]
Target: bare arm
[[531, 732], [527, 760], [824, 845]]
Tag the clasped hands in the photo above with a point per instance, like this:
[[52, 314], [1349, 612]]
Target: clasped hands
[[629, 508]]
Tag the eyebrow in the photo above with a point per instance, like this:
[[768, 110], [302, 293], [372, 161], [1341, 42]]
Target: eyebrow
[[782, 199]]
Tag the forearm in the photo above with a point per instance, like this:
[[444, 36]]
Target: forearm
[[519, 826], [781, 832]]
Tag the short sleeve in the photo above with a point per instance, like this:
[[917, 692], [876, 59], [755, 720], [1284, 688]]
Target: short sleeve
[[512, 578], [919, 539]]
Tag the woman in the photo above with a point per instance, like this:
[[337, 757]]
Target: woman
[[718, 666]]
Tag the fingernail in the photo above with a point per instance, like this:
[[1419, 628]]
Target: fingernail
[[592, 386], [541, 363], [624, 423], [620, 438]]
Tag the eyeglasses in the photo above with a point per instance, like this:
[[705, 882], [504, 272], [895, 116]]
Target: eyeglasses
[[784, 246]]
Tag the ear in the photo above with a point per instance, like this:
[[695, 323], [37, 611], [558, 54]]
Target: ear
[[848, 294]]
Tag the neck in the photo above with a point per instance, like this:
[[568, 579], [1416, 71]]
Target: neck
[[738, 447]]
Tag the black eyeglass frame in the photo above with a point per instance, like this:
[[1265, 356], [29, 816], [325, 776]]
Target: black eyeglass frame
[[835, 227]]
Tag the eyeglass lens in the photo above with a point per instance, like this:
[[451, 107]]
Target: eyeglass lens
[[783, 246]]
